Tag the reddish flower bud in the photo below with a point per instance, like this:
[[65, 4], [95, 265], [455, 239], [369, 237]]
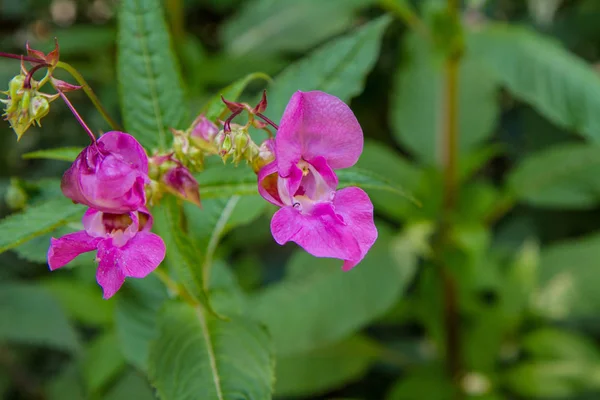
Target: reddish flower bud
[[179, 181]]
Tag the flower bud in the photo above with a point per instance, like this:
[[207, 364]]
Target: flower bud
[[203, 129], [240, 142], [179, 181], [39, 108], [266, 155]]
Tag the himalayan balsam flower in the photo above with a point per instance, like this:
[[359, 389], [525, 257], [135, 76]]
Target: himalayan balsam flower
[[318, 133], [109, 175], [125, 247]]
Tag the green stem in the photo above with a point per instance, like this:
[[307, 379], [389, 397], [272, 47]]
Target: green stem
[[404, 12], [90, 93], [176, 288], [449, 139]]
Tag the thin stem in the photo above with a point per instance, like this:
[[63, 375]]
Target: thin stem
[[77, 116], [174, 287], [449, 154], [90, 93], [268, 121], [227, 124], [21, 57], [27, 82], [404, 12]]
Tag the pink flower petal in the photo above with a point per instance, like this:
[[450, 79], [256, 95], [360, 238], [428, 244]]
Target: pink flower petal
[[109, 275], [62, 251], [317, 124], [354, 205], [267, 184], [321, 234], [141, 255], [127, 148]]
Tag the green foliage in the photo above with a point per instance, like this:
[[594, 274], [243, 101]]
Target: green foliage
[[338, 67], [419, 91], [568, 279], [267, 26], [61, 154], [136, 316], [563, 176], [35, 221], [316, 304], [103, 361], [196, 352], [131, 386], [325, 368], [539, 71], [30, 315], [149, 82]]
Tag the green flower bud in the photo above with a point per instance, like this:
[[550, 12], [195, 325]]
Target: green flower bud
[[39, 108], [15, 196]]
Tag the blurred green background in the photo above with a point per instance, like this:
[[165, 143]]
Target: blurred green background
[[525, 242]]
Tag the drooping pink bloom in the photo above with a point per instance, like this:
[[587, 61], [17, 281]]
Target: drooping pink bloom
[[125, 245], [204, 129], [109, 175], [317, 134]]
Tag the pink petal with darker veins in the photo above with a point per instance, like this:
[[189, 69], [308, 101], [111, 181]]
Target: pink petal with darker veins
[[108, 275], [142, 254], [64, 250], [354, 205], [322, 234], [317, 124]]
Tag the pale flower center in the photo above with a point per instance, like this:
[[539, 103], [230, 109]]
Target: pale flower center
[[313, 189]]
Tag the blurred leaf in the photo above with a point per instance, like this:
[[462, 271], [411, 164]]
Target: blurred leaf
[[370, 180], [384, 161], [317, 304], [81, 302], [67, 384], [552, 379], [215, 108], [196, 352], [324, 369], [536, 69], [564, 176], [136, 314], [79, 39], [183, 257], [30, 315], [103, 361], [61, 154], [149, 82], [425, 383], [267, 26], [568, 286], [35, 221], [551, 343], [338, 67], [131, 386], [417, 101]]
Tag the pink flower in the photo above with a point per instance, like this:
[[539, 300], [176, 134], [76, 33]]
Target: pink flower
[[125, 247], [109, 175], [180, 182], [318, 133]]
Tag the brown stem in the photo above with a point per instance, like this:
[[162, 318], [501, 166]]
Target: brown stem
[[268, 121], [20, 57]]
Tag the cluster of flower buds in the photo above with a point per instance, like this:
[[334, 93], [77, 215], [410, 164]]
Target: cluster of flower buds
[[168, 174], [25, 105]]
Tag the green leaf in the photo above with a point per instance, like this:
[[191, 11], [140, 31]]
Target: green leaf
[[568, 286], [215, 108], [30, 315], [224, 181], [552, 379], [324, 369], [317, 304], [67, 384], [183, 257], [138, 303], [559, 85], [103, 362], [417, 101], [384, 161], [35, 221], [556, 344], [268, 26], [564, 176], [80, 301], [150, 85], [197, 354], [427, 382], [339, 67], [131, 386], [61, 154]]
